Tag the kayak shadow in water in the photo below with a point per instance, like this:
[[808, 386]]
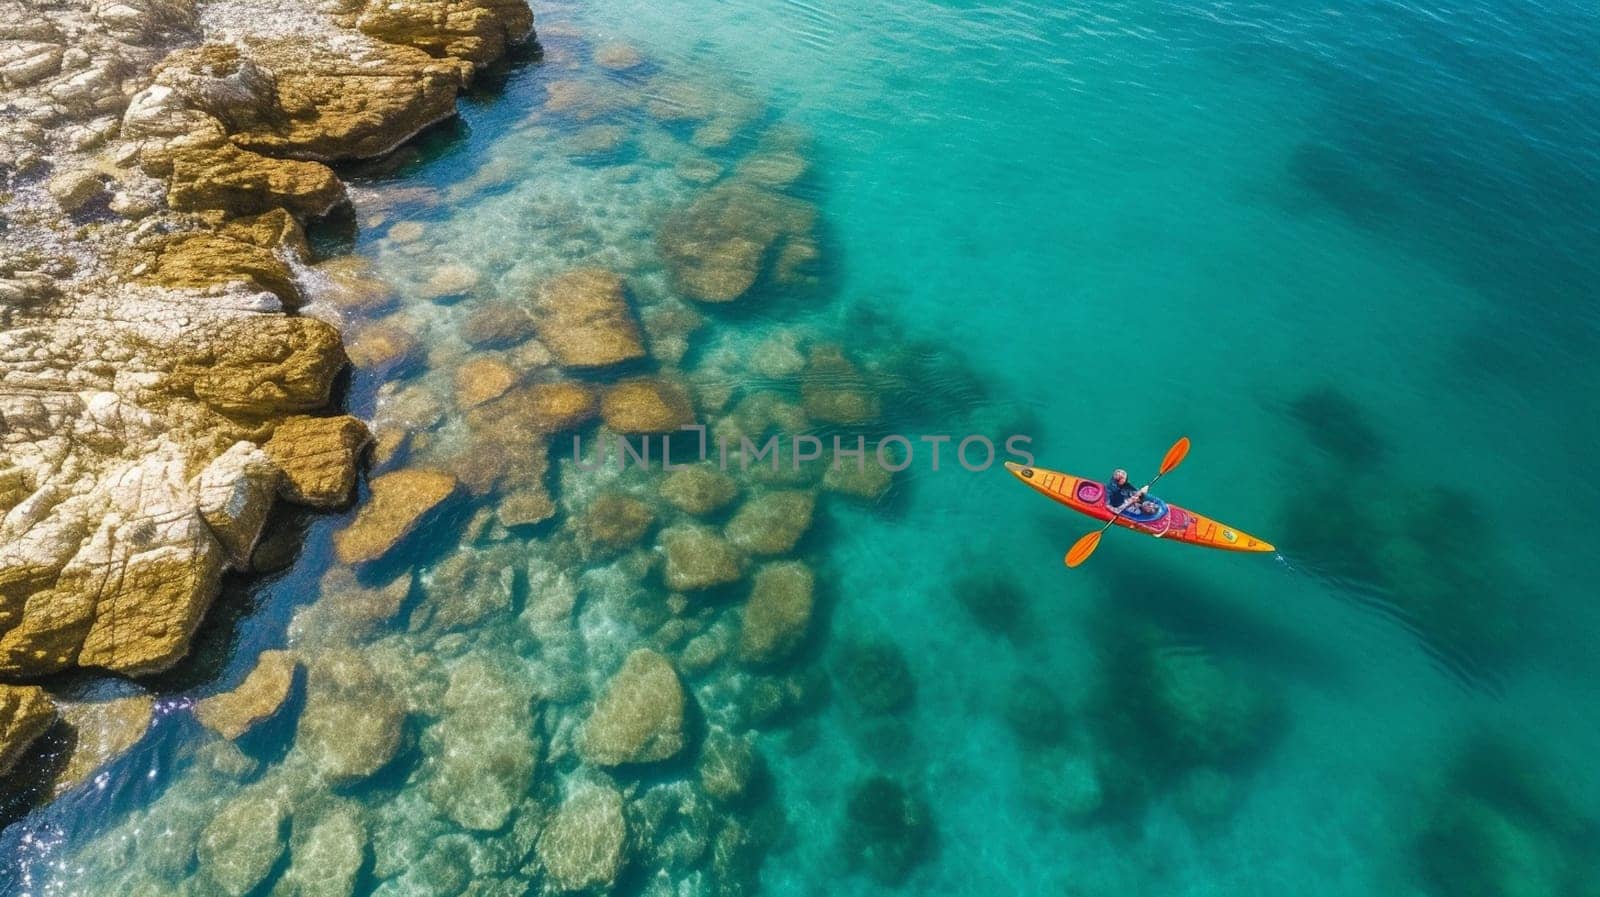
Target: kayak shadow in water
[[1198, 612]]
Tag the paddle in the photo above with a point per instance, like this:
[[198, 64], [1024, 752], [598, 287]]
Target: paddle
[[1084, 547]]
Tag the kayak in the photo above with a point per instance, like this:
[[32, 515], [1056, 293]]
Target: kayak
[[1168, 522]]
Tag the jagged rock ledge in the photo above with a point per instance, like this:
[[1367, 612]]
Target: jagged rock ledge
[[157, 391]]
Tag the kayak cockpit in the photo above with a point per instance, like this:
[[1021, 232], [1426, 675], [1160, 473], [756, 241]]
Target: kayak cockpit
[[1092, 493]]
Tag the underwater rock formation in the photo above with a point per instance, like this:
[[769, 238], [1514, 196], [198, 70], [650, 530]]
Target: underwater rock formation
[[771, 522], [639, 718], [242, 843], [400, 500], [887, 831], [582, 847], [583, 316], [352, 723], [646, 405], [697, 558], [257, 698], [1501, 825], [778, 613], [699, 490], [718, 245]]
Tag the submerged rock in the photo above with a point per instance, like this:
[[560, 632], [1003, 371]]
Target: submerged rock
[[482, 379], [583, 316], [242, 843], [771, 522], [104, 730], [327, 850], [646, 405], [867, 480], [887, 831], [615, 520], [833, 390], [617, 56], [639, 719], [716, 246], [232, 713], [450, 281], [399, 501], [727, 764], [353, 723], [482, 753], [497, 326], [582, 848], [698, 558], [778, 613], [875, 676], [699, 490]]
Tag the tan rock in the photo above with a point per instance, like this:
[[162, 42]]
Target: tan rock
[[497, 326], [482, 379], [582, 848], [778, 613], [73, 190], [583, 316], [201, 261], [25, 714], [262, 366], [450, 281], [235, 493], [699, 490], [615, 520], [717, 245], [357, 101], [260, 696], [617, 56], [833, 390], [242, 842], [867, 480], [542, 408], [239, 182], [103, 731], [646, 405], [639, 719], [697, 558], [771, 522], [399, 501], [383, 346], [476, 31], [319, 458], [353, 723]]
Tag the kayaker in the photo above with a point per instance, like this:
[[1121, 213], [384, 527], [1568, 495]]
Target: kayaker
[[1121, 497]]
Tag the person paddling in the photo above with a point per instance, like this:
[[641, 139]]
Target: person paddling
[[1123, 498]]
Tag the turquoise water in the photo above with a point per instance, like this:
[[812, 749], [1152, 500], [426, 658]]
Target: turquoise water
[[1350, 252]]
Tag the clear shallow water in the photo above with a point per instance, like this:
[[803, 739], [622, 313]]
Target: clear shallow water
[[1273, 231]]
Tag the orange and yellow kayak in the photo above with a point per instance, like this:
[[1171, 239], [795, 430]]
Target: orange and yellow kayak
[[1168, 522]]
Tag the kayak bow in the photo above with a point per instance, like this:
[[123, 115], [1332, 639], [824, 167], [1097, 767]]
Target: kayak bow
[[1170, 521]]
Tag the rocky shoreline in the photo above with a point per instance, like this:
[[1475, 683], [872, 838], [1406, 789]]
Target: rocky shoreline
[[158, 393]]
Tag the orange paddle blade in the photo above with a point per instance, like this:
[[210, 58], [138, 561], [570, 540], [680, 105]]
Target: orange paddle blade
[[1084, 547], [1175, 455]]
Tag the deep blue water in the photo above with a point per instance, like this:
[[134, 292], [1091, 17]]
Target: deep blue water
[[1350, 251]]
